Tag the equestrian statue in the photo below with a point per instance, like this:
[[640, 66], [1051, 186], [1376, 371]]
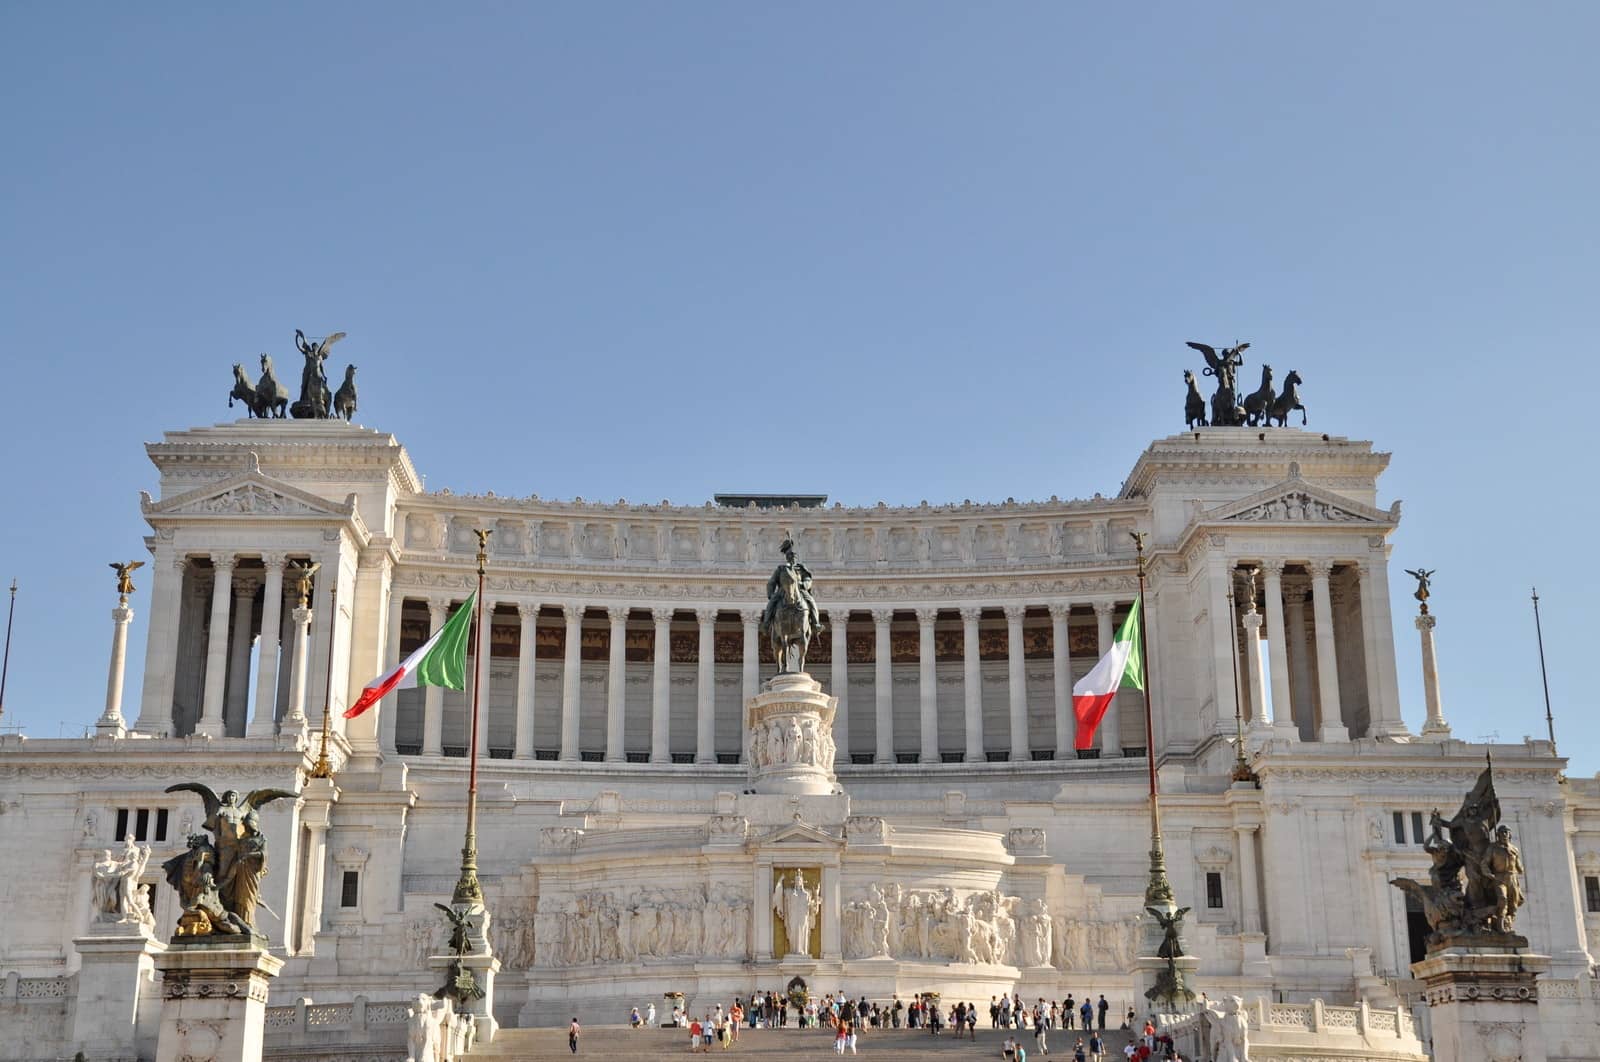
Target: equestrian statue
[[791, 618], [1229, 409], [268, 397]]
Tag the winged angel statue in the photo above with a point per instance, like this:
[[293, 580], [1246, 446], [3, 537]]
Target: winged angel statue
[[218, 879]]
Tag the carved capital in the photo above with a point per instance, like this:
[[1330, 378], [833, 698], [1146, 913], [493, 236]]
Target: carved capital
[[750, 616], [180, 563], [1320, 569], [839, 619], [274, 561], [662, 616], [245, 586], [1105, 608], [574, 613], [1272, 569], [927, 617], [438, 609], [882, 616], [1014, 613], [224, 563], [1060, 611], [618, 615], [705, 616], [528, 610], [971, 613]]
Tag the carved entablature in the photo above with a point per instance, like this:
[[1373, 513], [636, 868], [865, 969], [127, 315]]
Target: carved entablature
[[253, 496]]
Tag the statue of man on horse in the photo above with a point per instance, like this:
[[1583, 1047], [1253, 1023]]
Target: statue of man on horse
[[791, 618]]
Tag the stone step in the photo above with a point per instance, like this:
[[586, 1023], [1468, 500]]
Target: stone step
[[906, 1045]]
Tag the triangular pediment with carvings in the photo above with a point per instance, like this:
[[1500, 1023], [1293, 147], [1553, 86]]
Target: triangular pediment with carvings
[[1296, 502], [251, 494], [799, 835]]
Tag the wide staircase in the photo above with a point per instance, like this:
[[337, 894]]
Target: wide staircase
[[610, 1043]]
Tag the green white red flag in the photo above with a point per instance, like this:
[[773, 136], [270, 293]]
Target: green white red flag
[[439, 661], [1122, 666]]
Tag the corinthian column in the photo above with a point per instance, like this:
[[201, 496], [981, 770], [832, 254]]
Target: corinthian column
[[161, 642], [432, 696], [294, 719], [1111, 723], [111, 721], [972, 683], [210, 724], [1435, 729], [527, 655], [1332, 728], [1017, 683], [927, 686], [705, 733], [236, 701], [261, 721], [883, 685], [661, 685], [1278, 653], [616, 683], [571, 682], [750, 657], [1061, 661], [838, 630]]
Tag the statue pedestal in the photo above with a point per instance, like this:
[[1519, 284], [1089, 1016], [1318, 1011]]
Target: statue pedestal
[[115, 982], [1483, 1003], [214, 1001], [483, 966], [789, 737], [1149, 970]]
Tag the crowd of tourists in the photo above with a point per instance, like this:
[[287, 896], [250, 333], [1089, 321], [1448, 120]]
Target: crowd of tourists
[[847, 1019]]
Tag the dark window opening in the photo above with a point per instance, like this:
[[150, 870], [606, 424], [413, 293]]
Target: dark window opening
[[1213, 890], [861, 757], [1088, 754], [1416, 930], [1416, 828], [683, 757], [350, 888], [1591, 893], [1134, 751], [122, 823], [951, 757], [546, 754], [591, 756], [638, 757], [1044, 754], [161, 824], [906, 757], [499, 754], [1399, 827], [141, 825]]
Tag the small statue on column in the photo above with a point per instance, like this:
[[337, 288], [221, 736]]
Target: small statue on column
[[1423, 577]]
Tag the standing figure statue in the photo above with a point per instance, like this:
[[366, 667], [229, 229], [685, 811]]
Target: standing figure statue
[[117, 896], [223, 876], [791, 617], [1233, 1031], [315, 398], [1226, 410], [1423, 576], [798, 908]]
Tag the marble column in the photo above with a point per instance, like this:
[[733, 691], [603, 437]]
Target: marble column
[[1278, 652], [705, 687], [262, 723], [389, 707], [839, 643], [927, 686], [883, 685], [1061, 664], [1435, 729], [1383, 692], [1219, 580], [294, 717], [316, 861], [616, 683], [750, 655], [432, 696], [236, 701], [111, 721], [571, 682], [1332, 726], [527, 657], [161, 642], [1301, 666], [285, 655], [1255, 680], [1017, 683], [972, 683], [210, 725], [1111, 723], [1249, 885], [482, 684], [661, 685]]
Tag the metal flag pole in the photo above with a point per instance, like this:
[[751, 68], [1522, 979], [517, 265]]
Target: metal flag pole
[[1544, 676], [322, 768], [5, 666], [468, 891]]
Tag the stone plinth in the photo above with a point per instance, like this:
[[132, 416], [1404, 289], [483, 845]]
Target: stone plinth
[[483, 966], [1483, 1003], [115, 980], [214, 1001], [789, 737]]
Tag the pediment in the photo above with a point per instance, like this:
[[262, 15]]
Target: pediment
[[1294, 501], [799, 835], [250, 494]]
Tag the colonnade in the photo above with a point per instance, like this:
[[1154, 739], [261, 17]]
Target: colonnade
[[1017, 745]]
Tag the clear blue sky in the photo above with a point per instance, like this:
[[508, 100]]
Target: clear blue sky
[[594, 248]]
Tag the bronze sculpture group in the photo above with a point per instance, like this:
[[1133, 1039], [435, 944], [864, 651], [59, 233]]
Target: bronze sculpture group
[[791, 618], [269, 398], [1228, 410], [1474, 887], [218, 879]]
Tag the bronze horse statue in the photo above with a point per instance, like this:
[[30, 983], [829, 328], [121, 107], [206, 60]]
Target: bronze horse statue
[[271, 395], [1288, 402], [1258, 404], [243, 390], [791, 623], [1194, 406], [344, 401]]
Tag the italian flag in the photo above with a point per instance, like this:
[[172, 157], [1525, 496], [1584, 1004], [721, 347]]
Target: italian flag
[[1122, 666], [439, 661]]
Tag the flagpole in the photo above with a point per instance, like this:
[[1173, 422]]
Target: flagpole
[[5, 666], [1549, 720], [468, 891], [1158, 890], [322, 768]]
